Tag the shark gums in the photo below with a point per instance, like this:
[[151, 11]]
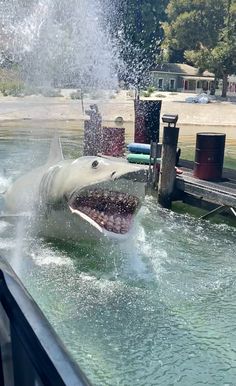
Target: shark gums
[[85, 198]]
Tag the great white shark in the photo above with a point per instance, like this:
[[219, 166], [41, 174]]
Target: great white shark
[[85, 198]]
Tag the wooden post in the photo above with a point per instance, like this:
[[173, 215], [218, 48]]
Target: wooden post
[[167, 170], [92, 132]]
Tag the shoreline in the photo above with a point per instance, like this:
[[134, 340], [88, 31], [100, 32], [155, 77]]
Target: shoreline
[[41, 114], [9, 120], [66, 109]]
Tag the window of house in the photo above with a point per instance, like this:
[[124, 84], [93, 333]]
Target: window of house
[[172, 84], [160, 83], [205, 85], [199, 84]]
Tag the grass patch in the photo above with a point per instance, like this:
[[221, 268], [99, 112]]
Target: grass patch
[[230, 162], [188, 153]]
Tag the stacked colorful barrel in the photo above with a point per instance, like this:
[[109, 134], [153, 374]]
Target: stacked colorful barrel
[[139, 153]]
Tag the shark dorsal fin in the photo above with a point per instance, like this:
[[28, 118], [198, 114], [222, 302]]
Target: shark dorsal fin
[[55, 152]]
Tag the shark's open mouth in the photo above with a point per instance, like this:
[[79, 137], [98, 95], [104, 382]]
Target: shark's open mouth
[[109, 210]]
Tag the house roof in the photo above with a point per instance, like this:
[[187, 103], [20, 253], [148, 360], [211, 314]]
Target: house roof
[[181, 69]]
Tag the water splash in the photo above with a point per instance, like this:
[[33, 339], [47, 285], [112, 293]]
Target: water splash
[[59, 42], [4, 184], [17, 252]]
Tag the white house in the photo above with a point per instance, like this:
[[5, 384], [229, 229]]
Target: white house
[[181, 77]]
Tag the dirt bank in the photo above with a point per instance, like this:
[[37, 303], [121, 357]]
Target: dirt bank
[[219, 113]]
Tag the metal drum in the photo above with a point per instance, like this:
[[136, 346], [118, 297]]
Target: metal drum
[[113, 142], [209, 156], [146, 121]]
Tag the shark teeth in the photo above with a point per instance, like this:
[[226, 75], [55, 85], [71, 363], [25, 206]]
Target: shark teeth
[[87, 218], [108, 210]]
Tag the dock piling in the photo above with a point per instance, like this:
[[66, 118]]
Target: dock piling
[[168, 161]]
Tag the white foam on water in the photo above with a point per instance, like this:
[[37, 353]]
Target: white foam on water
[[4, 225], [4, 184], [7, 244], [45, 256], [133, 264], [17, 253]]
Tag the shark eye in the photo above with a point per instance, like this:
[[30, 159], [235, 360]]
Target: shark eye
[[95, 164]]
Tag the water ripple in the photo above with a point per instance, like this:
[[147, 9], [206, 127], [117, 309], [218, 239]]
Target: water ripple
[[159, 310]]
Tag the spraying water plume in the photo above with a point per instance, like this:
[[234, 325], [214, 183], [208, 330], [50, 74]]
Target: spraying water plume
[[58, 42]]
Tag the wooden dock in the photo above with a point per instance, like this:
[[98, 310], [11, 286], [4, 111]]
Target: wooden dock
[[211, 196], [203, 193]]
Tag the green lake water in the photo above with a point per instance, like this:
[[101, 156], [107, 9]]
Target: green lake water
[[159, 309]]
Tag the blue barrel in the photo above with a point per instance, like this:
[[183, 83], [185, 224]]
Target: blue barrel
[[139, 148]]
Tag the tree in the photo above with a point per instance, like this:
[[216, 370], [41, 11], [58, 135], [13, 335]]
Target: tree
[[206, 31], [136, 25]]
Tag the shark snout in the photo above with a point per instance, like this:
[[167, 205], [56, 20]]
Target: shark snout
[[136, 175]]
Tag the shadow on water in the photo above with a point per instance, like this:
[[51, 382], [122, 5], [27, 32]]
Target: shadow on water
[[95, 257]]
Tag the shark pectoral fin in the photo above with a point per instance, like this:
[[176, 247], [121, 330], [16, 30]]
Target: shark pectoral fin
[[87, 218]]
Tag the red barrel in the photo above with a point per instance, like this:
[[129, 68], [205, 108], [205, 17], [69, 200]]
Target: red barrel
[[146, 121], [209, 156], [113, 141]]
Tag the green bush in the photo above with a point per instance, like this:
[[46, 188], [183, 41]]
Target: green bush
[[96, 95], [51, 92], [12, 88], [145, 94], [76, 95], [148, 92], [151, 89]]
